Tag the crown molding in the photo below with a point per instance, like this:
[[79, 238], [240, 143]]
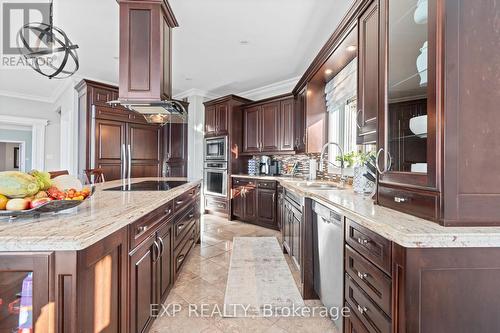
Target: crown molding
[[25, 96], [270, 90]]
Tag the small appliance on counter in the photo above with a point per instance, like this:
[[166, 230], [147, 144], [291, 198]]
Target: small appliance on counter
[[274, 168], [265, 164]]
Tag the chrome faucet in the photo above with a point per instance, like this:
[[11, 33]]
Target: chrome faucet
[[343, 179]]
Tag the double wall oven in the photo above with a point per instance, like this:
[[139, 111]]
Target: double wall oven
[[215, 167]]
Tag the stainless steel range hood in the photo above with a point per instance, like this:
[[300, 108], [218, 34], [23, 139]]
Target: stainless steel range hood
[[157, 112]]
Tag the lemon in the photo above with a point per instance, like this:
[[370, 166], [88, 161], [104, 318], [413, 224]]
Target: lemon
[[3, 201]]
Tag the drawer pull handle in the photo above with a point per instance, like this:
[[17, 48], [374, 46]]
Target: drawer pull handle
[[142, 229], [220, 205], [362, 309], [180, 259], [362, 276], [180, 227], [400, 199], [191, 215], [168, 211], [363, 241], [179, 202]]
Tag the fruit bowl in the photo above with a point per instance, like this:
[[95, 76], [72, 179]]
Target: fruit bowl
[[48, 207]]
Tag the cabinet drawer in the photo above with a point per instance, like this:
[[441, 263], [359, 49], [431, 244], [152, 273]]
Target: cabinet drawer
[[182, 252], [374, 319], [216, 204], [141, 229], [372, 280], [183, 225], [184, 199], [352, 324], [372, 246], [418, 203], [243, 181], [107, 112], [266, 184]]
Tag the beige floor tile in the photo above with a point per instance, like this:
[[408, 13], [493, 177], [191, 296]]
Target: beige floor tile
[[243, 325], [209, 271], [223, 259], [196, 290], [307, 325], [226, 245], [209, 251]]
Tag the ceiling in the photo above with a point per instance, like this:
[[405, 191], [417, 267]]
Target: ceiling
[[221, 46]]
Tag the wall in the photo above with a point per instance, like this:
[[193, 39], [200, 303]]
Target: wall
[[21, 136], [19, 107], [3, 159], [7, 156]]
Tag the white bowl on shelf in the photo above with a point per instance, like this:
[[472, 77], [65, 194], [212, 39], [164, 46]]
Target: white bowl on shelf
[[418, 126]]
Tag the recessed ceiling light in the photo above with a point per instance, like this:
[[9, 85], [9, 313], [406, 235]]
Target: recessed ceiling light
[[244, 42], [351, 48], [328, 71]]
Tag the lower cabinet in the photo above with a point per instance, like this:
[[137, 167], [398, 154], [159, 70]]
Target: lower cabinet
[[143, 282], [292, 224], [255, 201]]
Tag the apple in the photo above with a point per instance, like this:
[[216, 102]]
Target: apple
[[38, 202], [17, 204]]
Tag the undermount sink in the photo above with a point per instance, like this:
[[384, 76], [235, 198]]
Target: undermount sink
[[319, 186]]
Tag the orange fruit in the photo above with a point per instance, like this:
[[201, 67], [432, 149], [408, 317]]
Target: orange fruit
[[3, 201]]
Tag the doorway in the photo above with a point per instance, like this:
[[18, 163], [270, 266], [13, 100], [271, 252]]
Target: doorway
[[12, 156]]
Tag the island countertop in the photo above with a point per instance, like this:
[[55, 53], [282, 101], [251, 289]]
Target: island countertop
[[406, 230], [99, 216]]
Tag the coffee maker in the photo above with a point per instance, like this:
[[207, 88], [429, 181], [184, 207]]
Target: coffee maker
[[265, 164]]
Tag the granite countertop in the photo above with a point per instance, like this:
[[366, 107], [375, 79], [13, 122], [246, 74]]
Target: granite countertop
[[99, 216], [403, 229]]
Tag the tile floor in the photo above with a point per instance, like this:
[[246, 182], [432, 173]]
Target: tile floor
[[203, 278]]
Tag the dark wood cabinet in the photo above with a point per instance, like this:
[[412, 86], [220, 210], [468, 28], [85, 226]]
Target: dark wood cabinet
[[145, 50], [266, 203], [251, 130], [175, 149], [143, 282], [269, 126], [368, 74], [165, 273], [108, 133], [144, 142], [287, 139], [210, 120], [217, 119], [292, 225], [300, 121], [222, 119]]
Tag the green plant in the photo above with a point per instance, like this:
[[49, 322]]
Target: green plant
[[357, 158]]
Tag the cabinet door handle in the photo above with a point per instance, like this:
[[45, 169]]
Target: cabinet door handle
[[362, 276], [162, 247], [180, 258], [386, 167], [168, 211], [400, 199], [362, 309], [363, 241], [191, 215], [180, 227], [157, 246], [179, 202]]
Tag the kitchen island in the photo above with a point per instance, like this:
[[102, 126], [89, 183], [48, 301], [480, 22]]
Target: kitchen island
[[99, 266]]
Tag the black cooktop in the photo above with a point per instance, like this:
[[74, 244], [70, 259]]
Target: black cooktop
[[148, 185]]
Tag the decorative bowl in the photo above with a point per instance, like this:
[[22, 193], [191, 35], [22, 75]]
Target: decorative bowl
[[418, 125]]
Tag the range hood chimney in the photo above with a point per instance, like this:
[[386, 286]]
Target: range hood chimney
[[146, 61]]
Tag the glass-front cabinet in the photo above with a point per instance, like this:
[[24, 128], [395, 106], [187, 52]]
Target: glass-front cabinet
[[24, 293], [407, 127]]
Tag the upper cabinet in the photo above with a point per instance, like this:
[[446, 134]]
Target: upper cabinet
[[438, 102], [216, 119], [145, 50], [269, 126], [368, 74]]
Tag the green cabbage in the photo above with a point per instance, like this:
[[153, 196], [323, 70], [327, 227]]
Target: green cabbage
[[43, 179], [15, 184]]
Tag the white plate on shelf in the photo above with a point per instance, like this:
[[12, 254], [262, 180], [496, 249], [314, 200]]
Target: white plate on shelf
[[419, 167]]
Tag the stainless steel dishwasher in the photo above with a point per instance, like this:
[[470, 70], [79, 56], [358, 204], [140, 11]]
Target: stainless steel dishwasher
[[328, 236]]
